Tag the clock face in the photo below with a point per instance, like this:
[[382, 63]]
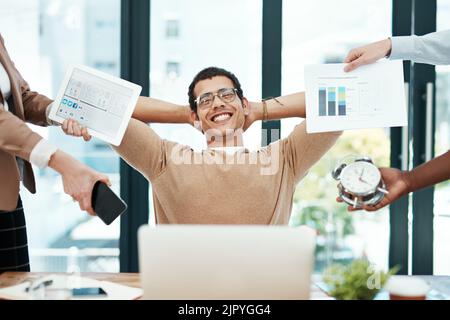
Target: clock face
[[360, 177]]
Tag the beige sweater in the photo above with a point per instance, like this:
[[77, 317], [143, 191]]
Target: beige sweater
[[212, 187]]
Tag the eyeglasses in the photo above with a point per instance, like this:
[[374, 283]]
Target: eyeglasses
[[206, 100]]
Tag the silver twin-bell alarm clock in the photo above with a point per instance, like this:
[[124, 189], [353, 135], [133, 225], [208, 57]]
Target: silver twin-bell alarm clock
[[360, 182]]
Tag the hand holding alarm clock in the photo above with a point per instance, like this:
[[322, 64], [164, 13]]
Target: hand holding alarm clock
[[360, 183]]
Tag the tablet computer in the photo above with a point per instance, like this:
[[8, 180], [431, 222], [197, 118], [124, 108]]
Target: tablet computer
[[96, 100]]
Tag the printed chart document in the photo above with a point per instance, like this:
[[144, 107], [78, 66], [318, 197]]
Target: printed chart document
[[372, 96]]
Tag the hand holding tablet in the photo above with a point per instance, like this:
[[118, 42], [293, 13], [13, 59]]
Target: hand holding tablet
[[102, 103]]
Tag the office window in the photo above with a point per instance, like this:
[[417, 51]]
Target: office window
[[205, 42], [172, 28], [172, 69], [442, 145], [324, 31], [58, 33], [233, 43], [105, 65]]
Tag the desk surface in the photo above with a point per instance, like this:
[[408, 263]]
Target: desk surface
[[441, 284], [128, 279]]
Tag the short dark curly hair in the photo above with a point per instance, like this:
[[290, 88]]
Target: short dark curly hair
[[209, 73]]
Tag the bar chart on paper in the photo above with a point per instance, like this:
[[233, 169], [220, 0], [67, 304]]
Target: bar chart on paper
[[335, 100], [328, 102], [367, 98]]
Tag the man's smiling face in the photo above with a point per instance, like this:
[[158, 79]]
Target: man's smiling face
[[219, 106]]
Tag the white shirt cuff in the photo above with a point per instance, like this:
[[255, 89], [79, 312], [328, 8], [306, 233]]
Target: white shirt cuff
[[47, 113], [41, 153], [402, 47]]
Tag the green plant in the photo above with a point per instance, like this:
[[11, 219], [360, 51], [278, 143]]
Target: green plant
[[356, 281]]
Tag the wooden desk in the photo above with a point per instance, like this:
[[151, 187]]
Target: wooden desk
[[440, 284], [128, 279]]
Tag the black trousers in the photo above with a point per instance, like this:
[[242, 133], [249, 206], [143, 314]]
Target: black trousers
[[13, 240]]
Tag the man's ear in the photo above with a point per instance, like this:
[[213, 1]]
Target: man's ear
[[194, 117], [196, 121], [245, 106]]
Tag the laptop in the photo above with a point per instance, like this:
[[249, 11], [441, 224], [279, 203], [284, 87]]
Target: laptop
[[206, 262]]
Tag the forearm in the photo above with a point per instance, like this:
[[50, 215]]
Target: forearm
[[429, 173], [158, 111], [289, 106], [63, 163], [431, 48], [35, 108], [35, 105], [16, 138]]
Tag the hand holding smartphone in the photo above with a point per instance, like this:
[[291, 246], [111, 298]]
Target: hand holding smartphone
[[106, 204]]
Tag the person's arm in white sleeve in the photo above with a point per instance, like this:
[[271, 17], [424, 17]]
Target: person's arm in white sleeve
[[432, 48]]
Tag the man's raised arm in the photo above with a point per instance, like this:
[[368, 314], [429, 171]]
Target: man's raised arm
[[157, 111], [148, 110]]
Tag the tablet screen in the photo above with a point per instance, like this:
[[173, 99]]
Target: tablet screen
[[101, 103]]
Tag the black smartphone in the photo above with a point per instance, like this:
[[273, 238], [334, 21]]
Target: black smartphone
[[94, 291], [106, 204]]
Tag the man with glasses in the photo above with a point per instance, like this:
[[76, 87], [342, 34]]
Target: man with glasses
[[225, 183]]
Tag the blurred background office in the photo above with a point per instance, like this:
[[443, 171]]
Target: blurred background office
[[169, 41]]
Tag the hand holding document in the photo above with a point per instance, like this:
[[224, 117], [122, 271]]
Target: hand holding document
[[371, 96]]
